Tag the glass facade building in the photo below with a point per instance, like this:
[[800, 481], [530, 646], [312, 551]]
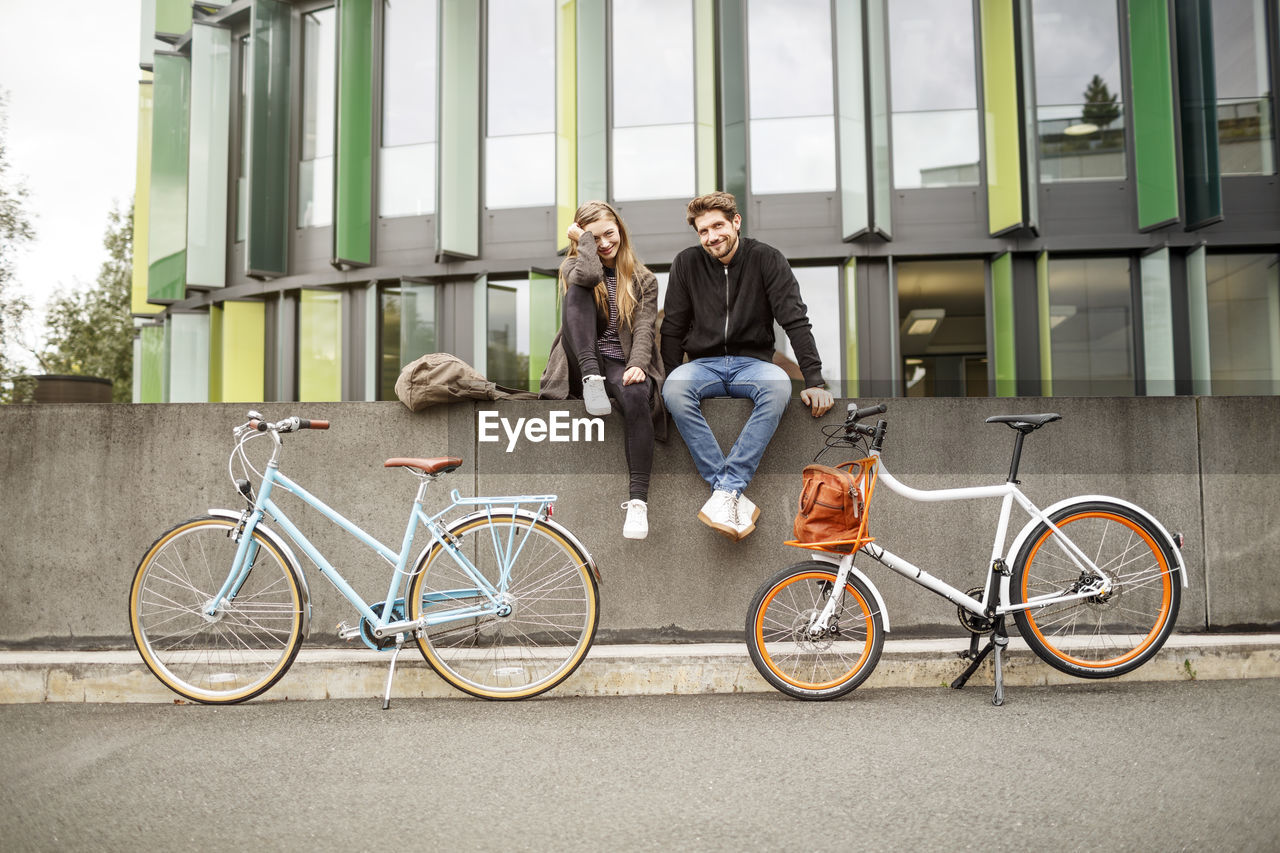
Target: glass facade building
[[978, 197]]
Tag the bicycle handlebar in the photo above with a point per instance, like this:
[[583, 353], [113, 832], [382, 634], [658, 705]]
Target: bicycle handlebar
[[292, 424], [856, 414]]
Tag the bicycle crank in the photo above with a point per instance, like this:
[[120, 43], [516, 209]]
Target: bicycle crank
[[973, 622]]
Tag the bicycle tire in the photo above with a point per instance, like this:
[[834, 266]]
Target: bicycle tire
[[248, 646], [794, 662], [1097, 637], [554, 608]]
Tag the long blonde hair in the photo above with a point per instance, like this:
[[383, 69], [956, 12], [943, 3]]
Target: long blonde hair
[[626, 265]]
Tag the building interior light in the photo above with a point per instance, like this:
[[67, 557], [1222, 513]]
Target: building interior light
[[922, 322], [1059, 314], [1082, 128]]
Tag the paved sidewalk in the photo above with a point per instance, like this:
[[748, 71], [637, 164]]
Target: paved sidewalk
[[618, 670]]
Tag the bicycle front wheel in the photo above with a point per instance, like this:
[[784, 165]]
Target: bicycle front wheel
[[1105, 635], [797, 659], [251, 638], [516, 632]]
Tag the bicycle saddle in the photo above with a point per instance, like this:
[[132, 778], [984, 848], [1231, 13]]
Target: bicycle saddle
[[1025, 423], [435, 465]]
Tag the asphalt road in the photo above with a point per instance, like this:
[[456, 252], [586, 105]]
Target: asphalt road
[[1091, 766]]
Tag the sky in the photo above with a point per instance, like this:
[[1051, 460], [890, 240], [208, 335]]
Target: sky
[[70, 69]]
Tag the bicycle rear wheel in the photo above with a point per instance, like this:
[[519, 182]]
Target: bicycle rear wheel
[[799, 662], [1100, 636], [247, 645], [542, 625]]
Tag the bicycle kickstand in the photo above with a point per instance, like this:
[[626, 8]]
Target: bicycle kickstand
[[998, 642], [386, 700]]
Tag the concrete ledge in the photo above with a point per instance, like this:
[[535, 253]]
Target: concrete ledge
[[620, 670]]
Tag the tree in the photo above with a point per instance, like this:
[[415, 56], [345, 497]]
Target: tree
[[1100, 106], [15, 229], [90, 332]]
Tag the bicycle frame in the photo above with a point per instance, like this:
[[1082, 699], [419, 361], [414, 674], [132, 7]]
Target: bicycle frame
[[382, 624], [1009, 493]]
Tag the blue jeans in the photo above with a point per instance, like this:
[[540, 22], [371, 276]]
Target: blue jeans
[[763, 382]]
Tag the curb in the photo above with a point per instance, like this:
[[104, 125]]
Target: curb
[[615, 670]]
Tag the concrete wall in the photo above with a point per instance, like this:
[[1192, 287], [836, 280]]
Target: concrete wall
[[86, 489]]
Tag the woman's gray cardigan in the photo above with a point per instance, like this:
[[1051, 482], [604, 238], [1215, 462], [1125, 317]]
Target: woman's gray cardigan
[[639, 339]]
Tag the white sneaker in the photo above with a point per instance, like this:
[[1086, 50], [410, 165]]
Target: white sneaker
[[720, 513], [594, 395], [637, 524], [748, 512]]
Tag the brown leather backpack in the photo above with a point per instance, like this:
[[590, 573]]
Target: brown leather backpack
[[832, 504]]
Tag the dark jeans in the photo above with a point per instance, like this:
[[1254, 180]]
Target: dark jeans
[[578, 334]]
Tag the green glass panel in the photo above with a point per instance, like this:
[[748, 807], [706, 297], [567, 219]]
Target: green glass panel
[[269, 149], [1006, 369], [169, 144], [172, 16], [878, 116], [851, 119], [319, 346], [215, 353], [243, 358], [704, 59], [733, 99], [1157, 323], [1003, 117], [1027, 105], [592, 113], [1198, 321], [409, 329], [210, 152], [851, 372], [566, 117], [142, 202], [1045, 324], [1151, 79], [151, 366], [1201, 177], [543, 313], [353, 228], [458, 207]]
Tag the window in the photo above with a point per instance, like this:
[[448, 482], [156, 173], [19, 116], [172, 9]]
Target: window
[[653, 112], [1244, 323], [820, 290], [792, 102], [408, 330], [508, 338], [1244, 106], [319, 346], [1079, 114], [933, 88], [942, 334], [1091, 327], [520, 145], [407, 159], [315, 168]]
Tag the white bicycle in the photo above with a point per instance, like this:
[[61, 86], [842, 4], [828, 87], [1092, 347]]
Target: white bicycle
[[1090, 583]]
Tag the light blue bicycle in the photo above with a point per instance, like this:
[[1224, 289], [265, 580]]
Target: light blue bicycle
[[503, 602]]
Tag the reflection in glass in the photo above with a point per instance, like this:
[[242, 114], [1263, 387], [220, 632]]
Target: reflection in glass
[[933, 88], [1244, 323], [242, 170], [820, 290], [407, 159], [1091, 327], [1245, 110], [520, 153], [315, 168], [408, 331], [942, 337], [1080, 116], [653, 112], [508, 334], [792, 104]]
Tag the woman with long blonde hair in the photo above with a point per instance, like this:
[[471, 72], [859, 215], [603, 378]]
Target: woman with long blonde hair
[[606, 347]]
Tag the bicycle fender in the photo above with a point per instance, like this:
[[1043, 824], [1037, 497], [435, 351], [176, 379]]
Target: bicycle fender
[[1171, 547], [523, 513], [234, 515], [822, 557]]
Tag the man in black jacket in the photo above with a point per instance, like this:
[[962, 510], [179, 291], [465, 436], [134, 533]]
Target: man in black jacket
[[722, 301]]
